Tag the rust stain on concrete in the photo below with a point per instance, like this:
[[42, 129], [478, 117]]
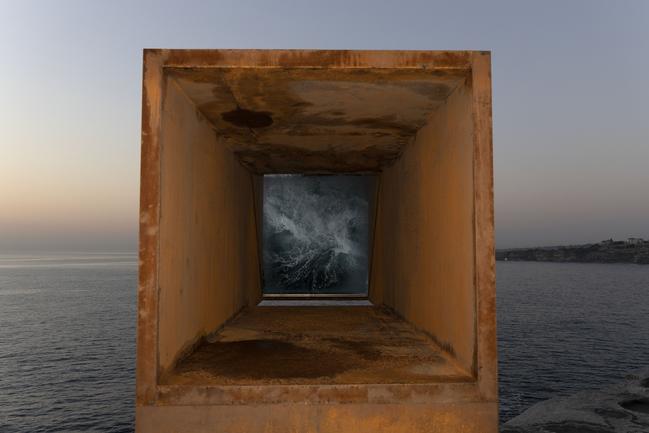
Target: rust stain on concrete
[[248, 118]]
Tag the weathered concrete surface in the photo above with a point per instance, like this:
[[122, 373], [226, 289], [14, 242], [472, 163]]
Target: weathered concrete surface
[[433, 251], [209, 266], [316, 119], [299, 345], [320, 418], [424, 265], [620, 408], [199, 235]]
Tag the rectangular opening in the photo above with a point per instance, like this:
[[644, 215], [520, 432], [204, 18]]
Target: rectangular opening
[[249, 316], [317, 235], [281, 183]]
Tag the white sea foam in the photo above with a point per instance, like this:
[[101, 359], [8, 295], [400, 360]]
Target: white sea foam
[[315, 231]]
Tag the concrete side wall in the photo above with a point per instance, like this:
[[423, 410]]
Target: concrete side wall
[[424, 247], [208, 255], [357, 418], [485, 266]]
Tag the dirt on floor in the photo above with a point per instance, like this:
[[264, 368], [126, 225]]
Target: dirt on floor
[[316, 345]]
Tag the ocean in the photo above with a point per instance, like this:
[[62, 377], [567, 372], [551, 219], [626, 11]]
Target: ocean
[[67, 343], [567, 327], [67, 336]]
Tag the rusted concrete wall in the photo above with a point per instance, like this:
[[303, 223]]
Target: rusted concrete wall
[[424, 247], [208, 255]]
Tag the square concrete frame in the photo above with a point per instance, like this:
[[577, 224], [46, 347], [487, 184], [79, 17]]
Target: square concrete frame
[[450, 164]]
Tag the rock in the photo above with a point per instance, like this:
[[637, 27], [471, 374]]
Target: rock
[[623, 408]]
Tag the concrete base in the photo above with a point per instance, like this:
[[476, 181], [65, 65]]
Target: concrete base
[[318, 369], [322, 418], [316, 345]]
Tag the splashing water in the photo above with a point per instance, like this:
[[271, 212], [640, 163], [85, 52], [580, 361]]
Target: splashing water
[[316, 233]]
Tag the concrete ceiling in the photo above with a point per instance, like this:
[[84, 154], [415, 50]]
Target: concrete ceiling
[[316, 120]]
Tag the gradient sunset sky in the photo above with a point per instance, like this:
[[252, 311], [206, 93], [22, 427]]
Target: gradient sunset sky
[[571, 104]]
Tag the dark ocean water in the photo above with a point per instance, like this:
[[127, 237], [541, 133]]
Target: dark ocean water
[[566, 327], [67, 336], [67, 343]]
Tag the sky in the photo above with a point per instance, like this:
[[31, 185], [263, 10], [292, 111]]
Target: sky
[[570, 101]]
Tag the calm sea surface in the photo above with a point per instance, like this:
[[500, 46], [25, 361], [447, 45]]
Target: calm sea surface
[[67, 343], [566, 327], [67, 336]]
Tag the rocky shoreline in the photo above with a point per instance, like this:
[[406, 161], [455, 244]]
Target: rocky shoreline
[[620, 408], [633, 250]]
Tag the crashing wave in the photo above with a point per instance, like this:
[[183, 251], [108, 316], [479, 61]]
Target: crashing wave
[[315, 234]]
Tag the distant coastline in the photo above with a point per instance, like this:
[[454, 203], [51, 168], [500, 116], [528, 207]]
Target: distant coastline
[[632, 250]]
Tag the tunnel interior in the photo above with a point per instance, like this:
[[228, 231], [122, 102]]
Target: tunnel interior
[[370, 283]]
